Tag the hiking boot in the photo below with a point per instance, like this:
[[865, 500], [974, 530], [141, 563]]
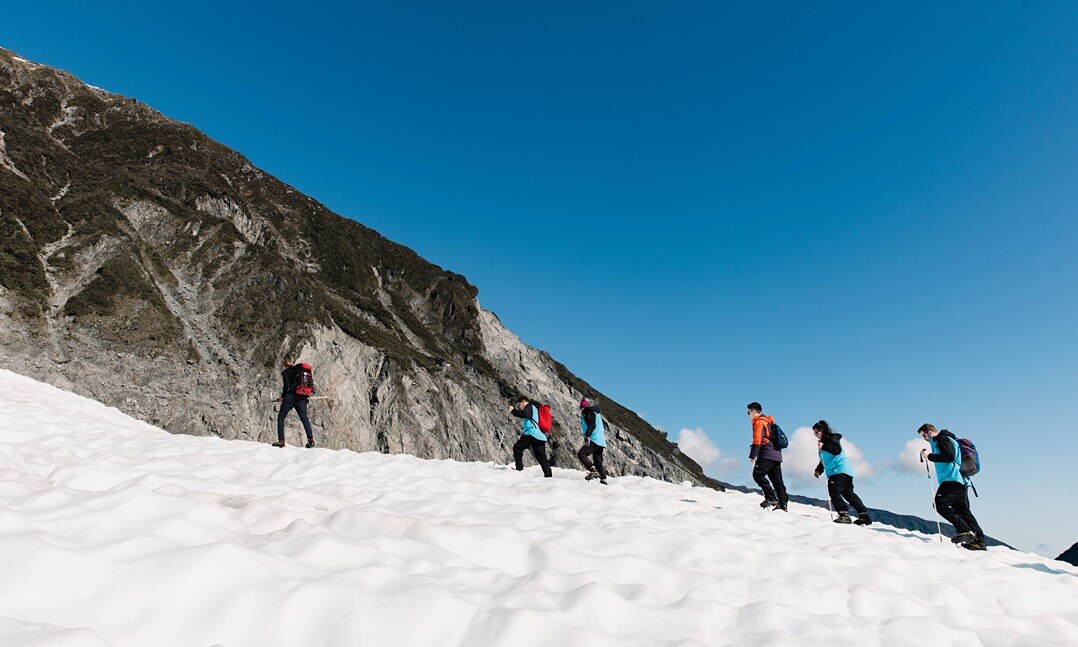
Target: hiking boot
[[603, 482], [843, 517], [768, 503], [963, 538], [976, 544], [863, 519], [592, 474], [310, 443], [279, 443], [780, 506]]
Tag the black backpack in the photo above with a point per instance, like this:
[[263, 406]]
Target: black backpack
[[777, 437]]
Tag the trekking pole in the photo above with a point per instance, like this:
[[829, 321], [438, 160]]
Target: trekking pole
[[830, 510], [932, 498]]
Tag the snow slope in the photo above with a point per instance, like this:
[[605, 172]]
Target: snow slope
[[113, 532]]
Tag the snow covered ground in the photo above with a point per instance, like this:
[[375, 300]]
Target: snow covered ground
[[113, 532]]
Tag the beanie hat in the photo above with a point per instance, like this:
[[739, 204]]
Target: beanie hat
[[584, 403]]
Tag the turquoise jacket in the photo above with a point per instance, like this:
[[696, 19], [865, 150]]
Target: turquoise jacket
[[530, 426], [590, 417], [836, 464], [945, 446]]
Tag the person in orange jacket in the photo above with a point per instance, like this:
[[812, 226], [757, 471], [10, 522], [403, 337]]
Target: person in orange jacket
[[766, 460]]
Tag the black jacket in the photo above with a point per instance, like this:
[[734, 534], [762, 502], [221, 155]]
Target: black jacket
[[946, 453], [289, 380], [527, 413], [588, 413]]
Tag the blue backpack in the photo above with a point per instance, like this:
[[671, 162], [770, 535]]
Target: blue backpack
[[970, 460], [777, 437]]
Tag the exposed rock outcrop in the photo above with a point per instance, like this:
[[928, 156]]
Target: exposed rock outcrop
[[149, 267], [1070, 555]]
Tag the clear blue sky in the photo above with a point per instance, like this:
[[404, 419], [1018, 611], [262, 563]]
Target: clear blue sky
[[861, 213]]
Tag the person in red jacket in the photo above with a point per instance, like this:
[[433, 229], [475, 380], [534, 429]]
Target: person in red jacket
[[766, 460]]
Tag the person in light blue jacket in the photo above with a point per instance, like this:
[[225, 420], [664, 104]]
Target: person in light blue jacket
[[531, 436], [952, 497], [836, 464], [594, 430]]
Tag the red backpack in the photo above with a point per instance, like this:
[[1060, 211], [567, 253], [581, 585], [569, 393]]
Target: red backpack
[[304, 379], [544, 418]]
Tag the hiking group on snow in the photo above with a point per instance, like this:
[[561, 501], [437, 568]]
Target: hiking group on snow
[[955, 460], [536, 428]]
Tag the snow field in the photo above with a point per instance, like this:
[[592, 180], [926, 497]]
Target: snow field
[[113, 532]]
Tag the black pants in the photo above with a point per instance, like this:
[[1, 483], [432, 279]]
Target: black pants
[[538, 448], [952, 502], [299, 403], [840, 487], [592, 451], [768, 469]]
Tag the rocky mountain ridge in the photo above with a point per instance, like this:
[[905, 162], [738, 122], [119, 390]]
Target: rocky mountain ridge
[[146, 266], [1070, 555]]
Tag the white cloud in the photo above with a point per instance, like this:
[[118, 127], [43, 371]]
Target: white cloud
[[910, 458], [695, 444], [800, 459], [862, 468], [728, 466]]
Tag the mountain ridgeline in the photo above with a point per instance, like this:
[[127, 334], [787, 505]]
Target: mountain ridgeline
[[1070, 555], [146, 266]]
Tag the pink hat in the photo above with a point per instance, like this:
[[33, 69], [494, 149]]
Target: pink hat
[[584, 403]]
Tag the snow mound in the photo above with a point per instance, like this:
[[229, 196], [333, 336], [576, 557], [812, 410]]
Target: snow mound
[[113, 532]]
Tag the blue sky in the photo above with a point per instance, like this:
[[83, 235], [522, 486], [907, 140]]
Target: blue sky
[[860, 213]]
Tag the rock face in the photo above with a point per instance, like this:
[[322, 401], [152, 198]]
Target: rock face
[[1070, 555], [151, 268]]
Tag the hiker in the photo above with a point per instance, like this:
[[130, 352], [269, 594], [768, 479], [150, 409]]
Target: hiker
[[952, 497], [766, 460], [531, 437], [836, 464], [591, 424], [297, 387]]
